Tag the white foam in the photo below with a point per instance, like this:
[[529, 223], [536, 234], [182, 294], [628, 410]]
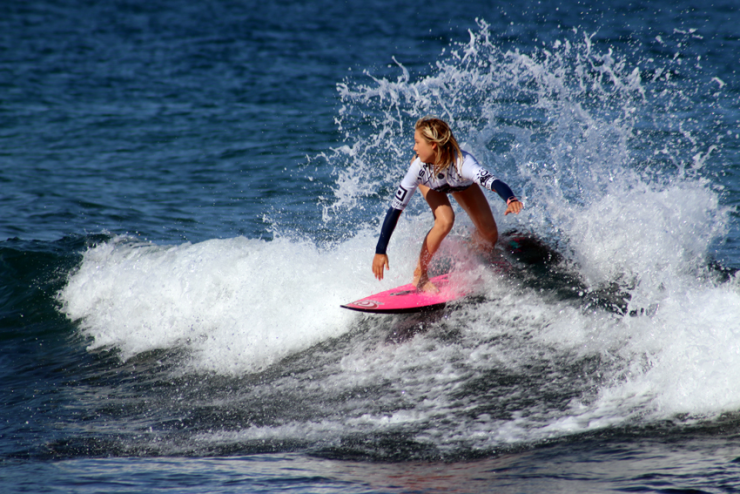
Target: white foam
[[686, 357], [237, 305], [563, 125]]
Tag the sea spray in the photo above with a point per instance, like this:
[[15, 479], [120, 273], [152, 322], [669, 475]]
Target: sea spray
[[609, 152], [567, 126], [595, 143]]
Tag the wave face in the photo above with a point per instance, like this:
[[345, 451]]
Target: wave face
[[239, 345]]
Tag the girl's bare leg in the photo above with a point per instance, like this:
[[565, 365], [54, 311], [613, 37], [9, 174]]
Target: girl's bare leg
[[444, 219], [474, 202]]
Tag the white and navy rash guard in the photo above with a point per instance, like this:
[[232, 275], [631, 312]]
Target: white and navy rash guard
[[454, 179]]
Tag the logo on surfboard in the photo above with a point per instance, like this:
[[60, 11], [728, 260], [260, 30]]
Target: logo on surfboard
[[367, 304]]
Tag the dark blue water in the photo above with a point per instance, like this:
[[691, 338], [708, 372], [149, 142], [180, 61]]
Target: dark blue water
[[189, 191]]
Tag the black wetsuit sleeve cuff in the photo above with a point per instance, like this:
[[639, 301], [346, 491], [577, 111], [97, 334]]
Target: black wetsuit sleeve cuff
[[503, 190], [389, 224]]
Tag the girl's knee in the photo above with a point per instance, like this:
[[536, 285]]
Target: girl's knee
[[490, 237], [444, 223]]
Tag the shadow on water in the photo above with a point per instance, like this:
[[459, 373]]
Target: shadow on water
[[540, 266]]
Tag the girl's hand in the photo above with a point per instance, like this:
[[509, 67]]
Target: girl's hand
[[380, 262], [514, 207]]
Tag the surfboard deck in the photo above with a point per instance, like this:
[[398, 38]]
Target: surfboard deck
[[405, 299]]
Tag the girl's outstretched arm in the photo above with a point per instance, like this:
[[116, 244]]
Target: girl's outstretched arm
[[380, 261]]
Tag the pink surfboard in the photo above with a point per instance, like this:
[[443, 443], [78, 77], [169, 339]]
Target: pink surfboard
[[406, 298]]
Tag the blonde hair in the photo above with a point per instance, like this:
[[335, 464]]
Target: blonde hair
[[436, 130]]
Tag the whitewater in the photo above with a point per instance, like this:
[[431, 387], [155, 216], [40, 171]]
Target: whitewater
[[612, 166]]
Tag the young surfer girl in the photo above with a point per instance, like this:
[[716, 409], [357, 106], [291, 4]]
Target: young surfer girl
[[441, 167]]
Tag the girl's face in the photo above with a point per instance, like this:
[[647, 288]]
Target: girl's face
[[425, 150]]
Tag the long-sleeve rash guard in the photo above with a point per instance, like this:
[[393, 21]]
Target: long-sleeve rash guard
[[454, 179]]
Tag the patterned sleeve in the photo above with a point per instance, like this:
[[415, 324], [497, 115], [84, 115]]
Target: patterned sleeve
[[472, 170], [408, 186]]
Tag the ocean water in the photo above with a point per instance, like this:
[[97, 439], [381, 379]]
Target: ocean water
[[190, 190]]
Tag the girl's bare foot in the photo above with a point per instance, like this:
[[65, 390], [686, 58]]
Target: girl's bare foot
[[422, 283]]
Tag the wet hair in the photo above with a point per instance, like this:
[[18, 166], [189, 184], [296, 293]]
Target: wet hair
[[448, 151]]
